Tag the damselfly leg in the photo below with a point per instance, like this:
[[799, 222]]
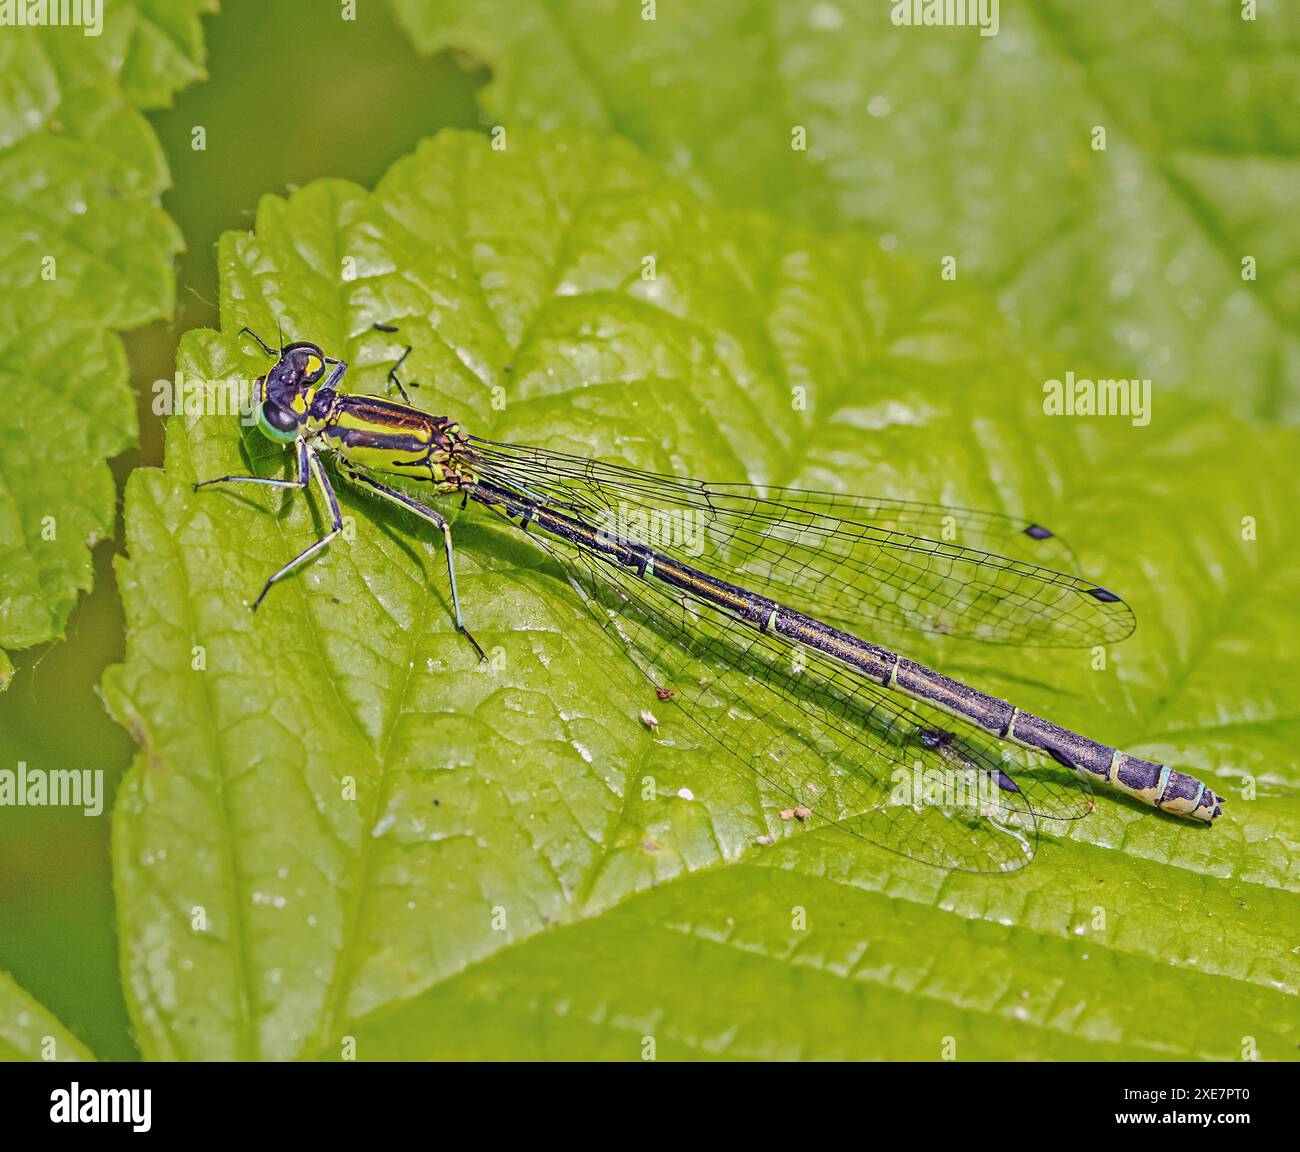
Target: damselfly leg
[[431, 517], [304, 475], [393, 379], [336, 526], [309, 466]]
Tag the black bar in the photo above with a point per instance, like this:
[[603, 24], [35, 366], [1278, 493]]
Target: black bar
[[429, 1105]]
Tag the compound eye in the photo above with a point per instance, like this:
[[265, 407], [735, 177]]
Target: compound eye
[[278, 423], [281, 419]]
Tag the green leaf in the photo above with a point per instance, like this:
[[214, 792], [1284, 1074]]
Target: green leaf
[[28, 1029], [84, 250], [943, 142], [500, 884]]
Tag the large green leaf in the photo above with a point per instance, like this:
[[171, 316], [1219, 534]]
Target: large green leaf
[[501, 884], [29, 1031], [944, 142], [84, 250]]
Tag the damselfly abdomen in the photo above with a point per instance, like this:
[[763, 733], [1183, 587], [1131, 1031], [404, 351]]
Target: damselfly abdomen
[[743, 606]]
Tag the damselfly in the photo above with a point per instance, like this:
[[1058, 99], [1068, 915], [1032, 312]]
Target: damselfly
[[753, 639]]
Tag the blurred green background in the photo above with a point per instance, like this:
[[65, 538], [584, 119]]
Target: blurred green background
[[285, 113]]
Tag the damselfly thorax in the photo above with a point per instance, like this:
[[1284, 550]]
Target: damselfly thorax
[[758, 639], [384, 436]]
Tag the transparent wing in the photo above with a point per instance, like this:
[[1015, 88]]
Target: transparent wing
[[979, 531], [815, 735], [848, 560]]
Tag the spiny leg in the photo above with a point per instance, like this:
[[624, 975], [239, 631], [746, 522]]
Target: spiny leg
[[393, 378], [336, 526], [392, 372], [437, 521], [340, 367], [304, 475]]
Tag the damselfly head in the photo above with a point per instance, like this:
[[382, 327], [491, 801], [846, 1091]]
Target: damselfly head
[[287, 391], [300, 367]]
